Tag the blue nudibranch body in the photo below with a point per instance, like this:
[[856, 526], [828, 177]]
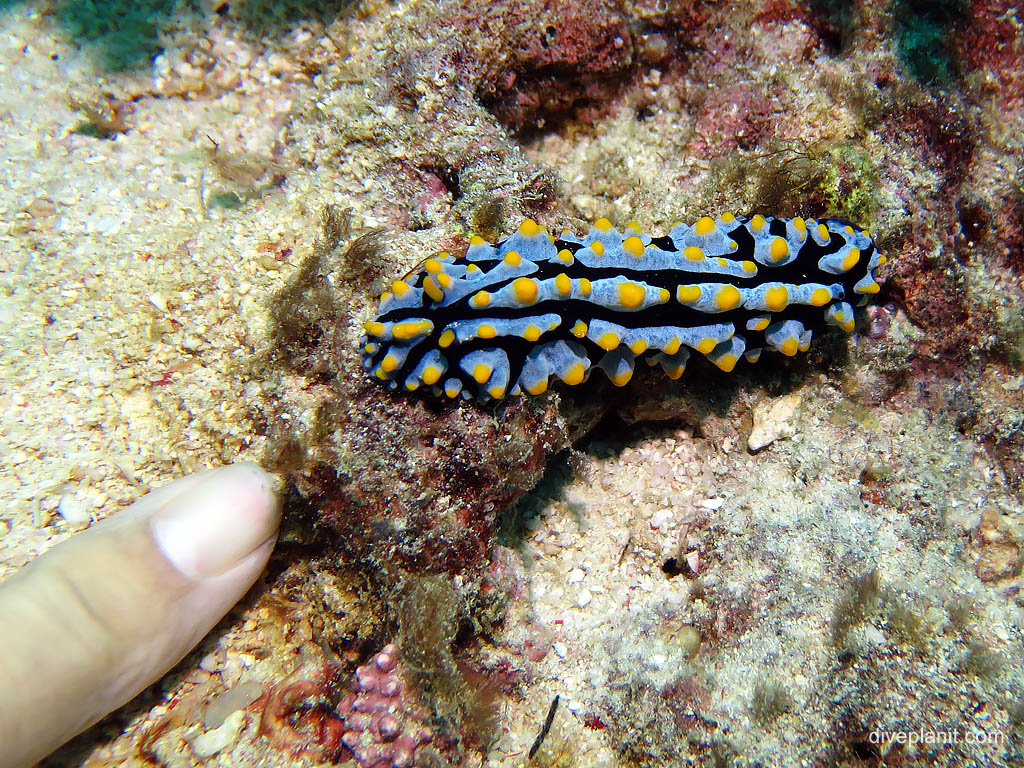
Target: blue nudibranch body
[[507, 317]]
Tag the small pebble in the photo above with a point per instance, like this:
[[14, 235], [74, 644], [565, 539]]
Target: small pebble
[[40, 208], [107, 225], [693, 561], [157, 301], [712, 504], [654, 48], [583, 598], [689, 639], [211, 742], [773, 421], [190, 342], [74, 511], [662, 519], [559, 649], [268, 262], [576, 575]]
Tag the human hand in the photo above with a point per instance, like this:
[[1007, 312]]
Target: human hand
[[92, 622]]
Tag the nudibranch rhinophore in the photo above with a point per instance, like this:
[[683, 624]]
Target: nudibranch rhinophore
[[506, 317]]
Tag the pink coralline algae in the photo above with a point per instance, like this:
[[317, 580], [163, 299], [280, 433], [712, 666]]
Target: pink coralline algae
[[383, 728]]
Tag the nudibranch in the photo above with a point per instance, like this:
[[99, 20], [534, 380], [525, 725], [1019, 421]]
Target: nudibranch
[[505, 318]]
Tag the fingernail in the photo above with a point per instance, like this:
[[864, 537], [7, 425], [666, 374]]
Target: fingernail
[[208, 529]]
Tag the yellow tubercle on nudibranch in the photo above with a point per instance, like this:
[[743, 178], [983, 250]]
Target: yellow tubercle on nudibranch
[[430, 375], [533, 309], [776, 298], [631, 295], [687, 294], [537, 388], [563, 284], [693, 253], [411, 328], [633, 246], [481, 373], [525, 289], [851, 259], [704, 226], [529, 228], [706, 345], [608, 341], [820, 297], [574, 374], [728, 297], [374, 328], [779, 249], [433, 290]]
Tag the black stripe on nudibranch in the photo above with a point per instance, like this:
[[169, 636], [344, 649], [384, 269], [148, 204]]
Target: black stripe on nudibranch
[[507, 317]]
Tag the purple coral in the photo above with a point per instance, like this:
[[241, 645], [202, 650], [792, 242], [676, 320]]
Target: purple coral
[[383, 727]]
